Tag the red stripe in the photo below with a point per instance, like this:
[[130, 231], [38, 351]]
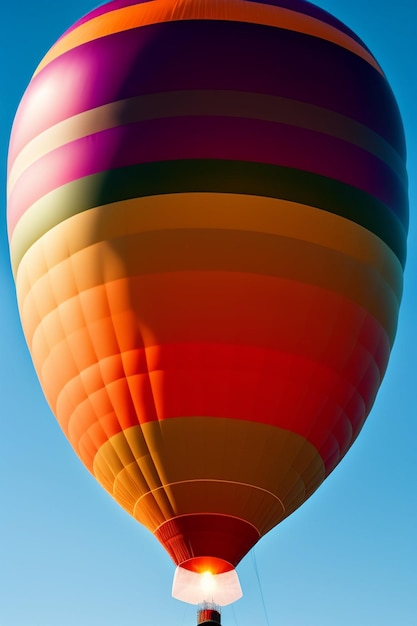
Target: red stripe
[[244, 383], [286, 391], [220, 536]]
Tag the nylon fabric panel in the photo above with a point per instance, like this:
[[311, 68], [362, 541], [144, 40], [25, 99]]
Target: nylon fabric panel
[[181, 328], [206, 103], [230, 104], [294, 5], [193, 536], [103, 319], [208, 211], [156, 12], [218, 251], [208, 289], [124, 401], [262, 180], [195, 456], [313, 62], [119, 385], [229, 139]]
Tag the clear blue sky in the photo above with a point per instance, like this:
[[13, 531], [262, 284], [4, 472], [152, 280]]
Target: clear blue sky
[[70, 557]]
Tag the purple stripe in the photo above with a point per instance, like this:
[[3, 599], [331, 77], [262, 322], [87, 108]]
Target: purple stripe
[[181, 55], [233, 139]]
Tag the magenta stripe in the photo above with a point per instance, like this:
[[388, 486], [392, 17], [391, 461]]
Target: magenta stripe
[[136, 62], [234, 139]]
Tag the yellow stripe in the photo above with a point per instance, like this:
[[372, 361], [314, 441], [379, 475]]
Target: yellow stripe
[[233, 10], [191, 210], [205, 496], [204, 102], [214, 477]]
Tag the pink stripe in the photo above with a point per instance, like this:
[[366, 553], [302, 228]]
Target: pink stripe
[[196, 137]]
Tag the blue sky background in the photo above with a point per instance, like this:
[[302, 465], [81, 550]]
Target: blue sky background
[[69, 556]]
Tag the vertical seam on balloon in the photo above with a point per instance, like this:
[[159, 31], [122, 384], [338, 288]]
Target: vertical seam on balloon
[[105, 285]]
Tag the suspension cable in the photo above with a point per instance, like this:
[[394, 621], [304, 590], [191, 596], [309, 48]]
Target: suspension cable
[[255, 565], [234, 614]]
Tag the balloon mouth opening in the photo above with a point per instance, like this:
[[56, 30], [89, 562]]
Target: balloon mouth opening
[[212, 564], [206, 579]]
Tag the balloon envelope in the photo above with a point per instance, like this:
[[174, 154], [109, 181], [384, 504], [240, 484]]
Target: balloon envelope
[[207, 217]]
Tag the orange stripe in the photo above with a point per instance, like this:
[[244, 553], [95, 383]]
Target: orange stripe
[[194, 299], [93, 356], [235, 263], [186, 211], [234, 10]]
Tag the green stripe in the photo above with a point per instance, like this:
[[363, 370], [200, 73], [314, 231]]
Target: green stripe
[[219, 176]]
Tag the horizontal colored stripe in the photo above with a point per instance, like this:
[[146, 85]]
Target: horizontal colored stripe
[[228, 139], [206, 103], [202, 251], [208, 211], [170, 453], [102, 9], [198, 495], [107, 331], [209, 176], [294, 5], [197, 478], [109, 308], [297, 396], [198, 535], [145, 14], [125, 316], [314, 11], [82, 276], [55, 93]]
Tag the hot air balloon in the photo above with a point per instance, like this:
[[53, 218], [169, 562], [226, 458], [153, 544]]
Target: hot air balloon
[[207, 214]]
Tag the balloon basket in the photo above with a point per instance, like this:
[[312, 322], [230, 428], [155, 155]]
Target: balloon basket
[[208, 615]]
